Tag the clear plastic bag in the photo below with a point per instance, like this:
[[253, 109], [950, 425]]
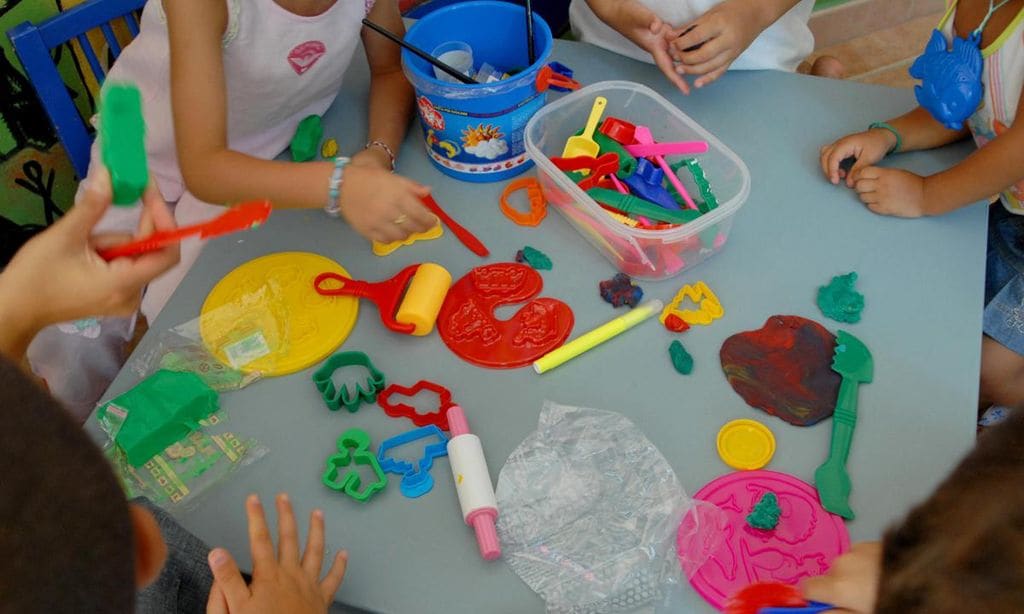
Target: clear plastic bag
[[225, 347], [589, 514], [175, 478]]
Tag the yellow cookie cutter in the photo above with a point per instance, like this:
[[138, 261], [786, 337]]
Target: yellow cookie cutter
[[383, 249], [709, 308]]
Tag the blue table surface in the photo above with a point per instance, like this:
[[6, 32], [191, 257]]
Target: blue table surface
[[922, 279]]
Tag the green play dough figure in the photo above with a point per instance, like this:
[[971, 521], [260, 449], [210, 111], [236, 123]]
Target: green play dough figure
[[306, 142], [681, 359], [840, 301], [766, 512], [162, 409]]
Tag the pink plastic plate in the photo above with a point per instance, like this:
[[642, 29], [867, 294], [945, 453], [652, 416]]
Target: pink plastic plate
[[804, 544]]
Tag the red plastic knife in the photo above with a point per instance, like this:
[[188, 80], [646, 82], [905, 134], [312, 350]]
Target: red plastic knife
[[466, 237]]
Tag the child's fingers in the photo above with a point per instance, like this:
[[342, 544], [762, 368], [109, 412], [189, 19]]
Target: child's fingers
[[215, 603], [109, 239], [313, 557], [159, 214], [857, 171], [722, 60], [707, 53], [840, 151], [869, 198], [89, 209], [668, 68], [694, 35], [259, 536], [226, 575], [332, 581], [712, 76], [823, 158], [417, 217], [865, 186], [287, 532]]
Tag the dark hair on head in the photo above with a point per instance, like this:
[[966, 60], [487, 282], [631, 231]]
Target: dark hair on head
[[962, 550], [65, 531]]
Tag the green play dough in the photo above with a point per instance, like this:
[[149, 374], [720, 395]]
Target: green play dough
[[306, 142], [162, 409], [766, 512], [537, 259], [840, 301], [681, 359]]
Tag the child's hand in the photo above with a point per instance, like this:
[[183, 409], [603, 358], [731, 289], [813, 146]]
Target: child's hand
[[281, 582], [891, 191], [645, 29], [708, 45], [382, 206], [58, 276], [851, 584], [867, 147]]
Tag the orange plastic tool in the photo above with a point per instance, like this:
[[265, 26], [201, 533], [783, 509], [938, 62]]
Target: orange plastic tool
[[242, 217]]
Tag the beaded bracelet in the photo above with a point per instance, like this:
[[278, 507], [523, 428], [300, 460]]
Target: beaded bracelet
[[886, 126], [387, 150], [333, 206]]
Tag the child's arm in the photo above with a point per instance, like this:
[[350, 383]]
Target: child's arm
[[918, 130], [390, 93], [645, 29], [282, 581], [371, 198], [987, 171], [57, 276], [709, 44]]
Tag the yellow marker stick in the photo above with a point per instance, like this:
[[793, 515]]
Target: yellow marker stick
[[596, 337]]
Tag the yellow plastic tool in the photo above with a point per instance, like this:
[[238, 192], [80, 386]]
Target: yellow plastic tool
[[267, 307], [584, 144], [424, 297], [383, 249], [745, 444], [709, 309]]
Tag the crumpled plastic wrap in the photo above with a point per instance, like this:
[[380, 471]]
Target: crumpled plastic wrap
[[588, 513]]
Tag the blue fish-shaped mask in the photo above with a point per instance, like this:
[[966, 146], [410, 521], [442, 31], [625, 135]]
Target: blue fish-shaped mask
[[951, 87]]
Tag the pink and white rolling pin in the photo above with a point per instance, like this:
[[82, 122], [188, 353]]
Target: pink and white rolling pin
[[473, 483]]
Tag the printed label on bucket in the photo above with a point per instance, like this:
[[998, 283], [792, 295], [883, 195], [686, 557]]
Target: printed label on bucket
[[477, 143]]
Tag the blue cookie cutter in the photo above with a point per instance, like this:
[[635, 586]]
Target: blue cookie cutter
[[416, 479]]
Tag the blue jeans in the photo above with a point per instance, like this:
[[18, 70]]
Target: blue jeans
[[1004, 279]]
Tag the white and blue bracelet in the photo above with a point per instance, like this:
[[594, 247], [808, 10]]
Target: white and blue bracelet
[[333, 206]]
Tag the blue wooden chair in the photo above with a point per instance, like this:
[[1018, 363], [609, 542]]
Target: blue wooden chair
[[33, 44]]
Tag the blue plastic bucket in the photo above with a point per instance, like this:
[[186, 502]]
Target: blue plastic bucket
[[475, 132]]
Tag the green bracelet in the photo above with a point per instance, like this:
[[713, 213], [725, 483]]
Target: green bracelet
[[895, 133]]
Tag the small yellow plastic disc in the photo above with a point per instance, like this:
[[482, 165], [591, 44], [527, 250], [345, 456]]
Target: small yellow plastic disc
[[266, 317], [745, 444]]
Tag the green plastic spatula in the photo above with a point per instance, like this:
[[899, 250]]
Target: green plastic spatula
[[853, 362]]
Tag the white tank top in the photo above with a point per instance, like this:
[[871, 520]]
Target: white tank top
[[782, 46], [279, 67], [1003, 79]]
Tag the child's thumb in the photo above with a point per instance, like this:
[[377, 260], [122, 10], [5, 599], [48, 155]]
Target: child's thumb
[[90, 206]]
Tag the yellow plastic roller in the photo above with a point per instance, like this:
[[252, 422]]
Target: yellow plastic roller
[[408, 302]]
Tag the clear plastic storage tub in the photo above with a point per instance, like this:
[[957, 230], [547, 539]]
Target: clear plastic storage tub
[[643, 253]]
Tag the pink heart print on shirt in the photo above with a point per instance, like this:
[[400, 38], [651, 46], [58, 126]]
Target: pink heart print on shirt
[[304, 55]]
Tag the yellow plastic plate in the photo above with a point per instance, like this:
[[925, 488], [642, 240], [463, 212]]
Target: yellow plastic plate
[[266, 317]]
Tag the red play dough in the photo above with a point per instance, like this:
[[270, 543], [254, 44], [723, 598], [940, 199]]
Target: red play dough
[[759, 595], [803, 544], [468, 327]]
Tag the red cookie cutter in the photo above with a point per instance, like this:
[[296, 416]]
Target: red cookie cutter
[[387, 295], [469, 328], [437, 418], [538, 206]]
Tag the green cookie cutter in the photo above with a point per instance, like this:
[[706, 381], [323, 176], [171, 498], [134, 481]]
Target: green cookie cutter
[[334, 396], [354, 449]]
